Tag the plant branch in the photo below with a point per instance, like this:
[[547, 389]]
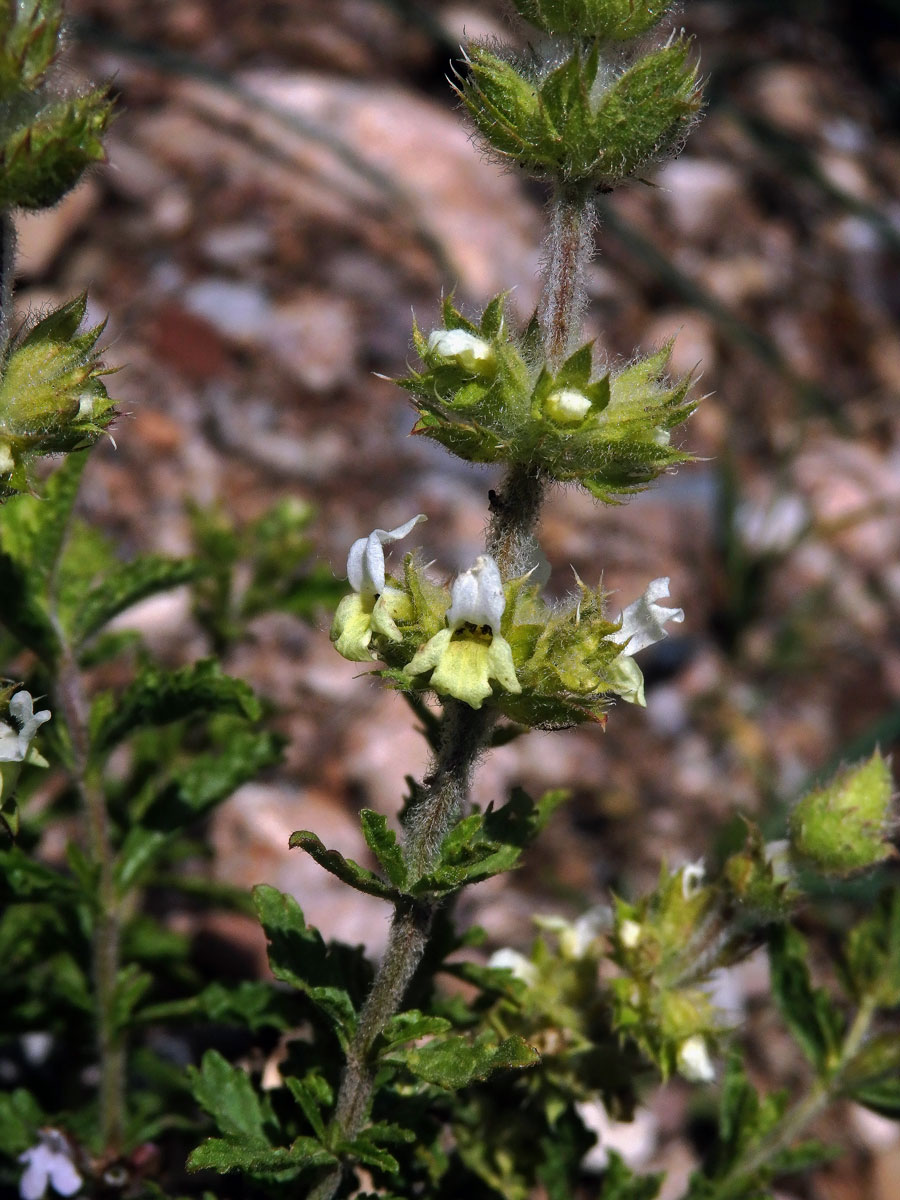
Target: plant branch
[[805, 1111], [567, 251], [73, 705], [7, 276], [465, 732]]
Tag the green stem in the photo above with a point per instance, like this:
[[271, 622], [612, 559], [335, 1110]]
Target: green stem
[[72, 703], [803, 1113]]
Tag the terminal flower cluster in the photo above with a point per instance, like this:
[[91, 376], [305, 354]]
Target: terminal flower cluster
[[488, 396], [485, 640]]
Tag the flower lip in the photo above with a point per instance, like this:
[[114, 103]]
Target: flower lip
[[16, 738], [49, 1162], [643, 621], [365, 562], [477, 596]]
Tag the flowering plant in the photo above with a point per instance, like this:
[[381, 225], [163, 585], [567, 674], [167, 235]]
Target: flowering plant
[[382, 1080]]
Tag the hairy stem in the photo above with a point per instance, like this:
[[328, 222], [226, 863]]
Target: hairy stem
[[567, 252], [73, 705], [7, 275], [515, 510], [463, 735]]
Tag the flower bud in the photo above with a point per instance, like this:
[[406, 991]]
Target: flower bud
[[693, 1061], [465, 349], [567, 406], [841, 828], [52, 399]]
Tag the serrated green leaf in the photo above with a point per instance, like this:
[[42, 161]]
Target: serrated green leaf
[[252, 1004], [211, 778], [621, 1183], [382, 841], [312, 1093], [882, 1097], [808, 1012], [159, 697], [137, 855], [130, 583], [872, 954], [25, 877], [298, 956], [455, 1062], [410, 1026], [131, 985], [20, 1119], [284, 1162], [228, 1095], [873, 1076], [32, 535], [33, 529], [487, 844], [345, 869], [370, 1155]]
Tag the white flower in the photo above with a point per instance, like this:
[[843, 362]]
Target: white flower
[[365, 562], [567, 406], [15, 739], [373, 608], [49, 1162], [634, 1140], [476, 597], [694, 1063], [461, 657], [511, 960], [629, 933], [578, 937], [692, 877], [468, 351], [643, 622], [772, 528]]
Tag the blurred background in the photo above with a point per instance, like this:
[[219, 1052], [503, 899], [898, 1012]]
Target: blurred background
[[287, 180]]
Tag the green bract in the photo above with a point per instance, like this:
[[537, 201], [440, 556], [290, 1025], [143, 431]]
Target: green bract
[[582, 123], [614, 20], [45, 147], [608, 432], [51, 397], [842, 828], [29, 38], [47, 138]]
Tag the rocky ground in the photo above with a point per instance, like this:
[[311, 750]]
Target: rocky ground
[[285, 182]]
